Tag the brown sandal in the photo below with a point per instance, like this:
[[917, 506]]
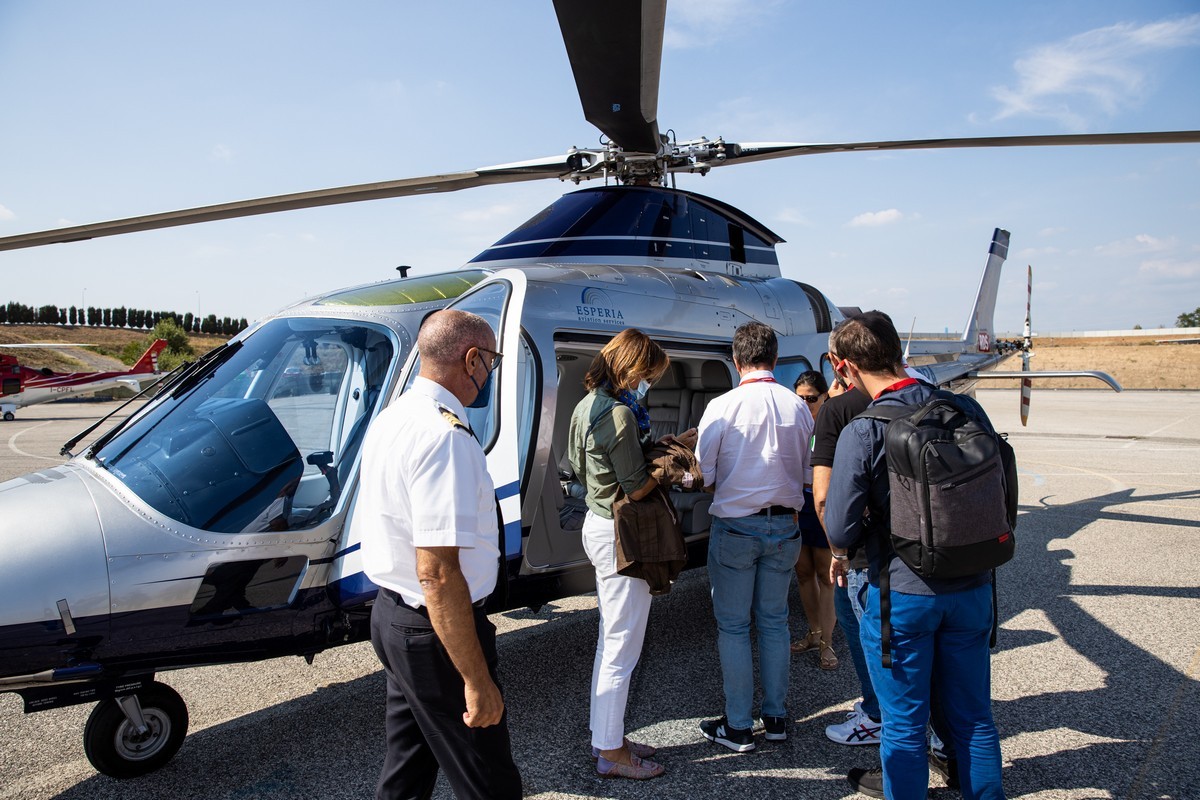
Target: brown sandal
[[810, 642], [829, 659]]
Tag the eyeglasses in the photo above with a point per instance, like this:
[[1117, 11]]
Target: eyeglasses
[[811, 399], [496, 356]]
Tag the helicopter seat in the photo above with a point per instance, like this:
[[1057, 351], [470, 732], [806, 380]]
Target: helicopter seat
[[714, 382], [693, 506], [668, 404]]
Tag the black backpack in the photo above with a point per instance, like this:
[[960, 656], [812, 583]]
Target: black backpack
[[953, 487]]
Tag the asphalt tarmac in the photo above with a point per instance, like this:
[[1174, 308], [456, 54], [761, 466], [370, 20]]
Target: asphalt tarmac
[[1095, 680]]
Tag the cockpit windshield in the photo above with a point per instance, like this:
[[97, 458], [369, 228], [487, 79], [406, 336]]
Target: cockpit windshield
[[267, 439]]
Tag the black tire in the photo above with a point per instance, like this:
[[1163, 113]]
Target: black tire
[[9, 416], [114, 748]]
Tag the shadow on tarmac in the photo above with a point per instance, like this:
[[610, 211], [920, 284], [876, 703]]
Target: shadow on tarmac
[[1132, 738]]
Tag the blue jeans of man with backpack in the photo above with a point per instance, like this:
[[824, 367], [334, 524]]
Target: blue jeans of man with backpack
[[846, 605], [949, 632]]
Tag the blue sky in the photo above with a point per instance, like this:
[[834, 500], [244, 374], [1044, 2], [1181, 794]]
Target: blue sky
[[121, 108]]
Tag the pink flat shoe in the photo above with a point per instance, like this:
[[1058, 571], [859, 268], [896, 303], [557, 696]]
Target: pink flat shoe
[[637, 769], [637, 748]]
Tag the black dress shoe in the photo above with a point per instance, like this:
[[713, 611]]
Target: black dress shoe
[[867, 781], [946, 767]]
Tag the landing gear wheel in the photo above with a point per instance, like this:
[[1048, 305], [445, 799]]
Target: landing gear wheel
[[9, 416], [113, 744]]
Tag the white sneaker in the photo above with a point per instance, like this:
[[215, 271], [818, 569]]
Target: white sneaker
[[857, 729]]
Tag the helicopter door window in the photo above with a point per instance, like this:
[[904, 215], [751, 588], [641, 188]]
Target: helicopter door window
[[489, 303]]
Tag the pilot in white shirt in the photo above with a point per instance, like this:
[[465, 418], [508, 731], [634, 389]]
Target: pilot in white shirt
[[426, 517]]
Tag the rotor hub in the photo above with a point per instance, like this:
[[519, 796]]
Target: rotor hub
[[645, 169]]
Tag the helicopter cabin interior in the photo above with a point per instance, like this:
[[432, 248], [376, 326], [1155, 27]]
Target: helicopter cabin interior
[[675, 403]]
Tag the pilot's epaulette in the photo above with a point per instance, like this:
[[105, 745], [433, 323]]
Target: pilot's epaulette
[[452, 418]]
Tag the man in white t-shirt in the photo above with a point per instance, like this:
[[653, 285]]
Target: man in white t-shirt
[[426, 517], [753, 451]]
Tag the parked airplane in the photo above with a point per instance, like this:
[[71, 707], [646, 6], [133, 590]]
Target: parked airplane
[[22, 386], [211, 526]]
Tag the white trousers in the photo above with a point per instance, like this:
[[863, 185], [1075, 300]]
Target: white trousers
[[624, 610]]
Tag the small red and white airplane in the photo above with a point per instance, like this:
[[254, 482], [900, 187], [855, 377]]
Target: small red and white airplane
[[22, 386]]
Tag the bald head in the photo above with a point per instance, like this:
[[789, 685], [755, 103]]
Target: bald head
[[447, 335]]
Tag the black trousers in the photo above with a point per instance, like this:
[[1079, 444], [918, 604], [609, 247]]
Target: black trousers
[[425, 706]]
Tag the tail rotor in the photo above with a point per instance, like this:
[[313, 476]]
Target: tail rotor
[[1027, 349]]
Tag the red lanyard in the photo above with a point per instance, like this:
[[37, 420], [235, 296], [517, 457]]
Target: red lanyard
[[767, 379], [897, 386]]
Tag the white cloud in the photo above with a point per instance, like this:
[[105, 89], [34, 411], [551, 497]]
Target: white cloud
[[1138, 245], [1170, 268], [6, 214], [699, 23], [1101, 70], [873, 219], [793, 216], [1047, 232], [1033, 252], [220, 153]]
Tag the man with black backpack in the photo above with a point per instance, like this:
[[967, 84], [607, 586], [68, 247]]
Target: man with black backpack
[[931, 554]]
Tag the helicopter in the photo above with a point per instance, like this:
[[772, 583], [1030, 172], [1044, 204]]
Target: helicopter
[[24, 386], [211, 525]]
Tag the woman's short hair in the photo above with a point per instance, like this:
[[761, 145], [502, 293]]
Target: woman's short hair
[[811, 378], [630, 353]]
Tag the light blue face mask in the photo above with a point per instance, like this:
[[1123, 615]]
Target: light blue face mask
[[642, 388]]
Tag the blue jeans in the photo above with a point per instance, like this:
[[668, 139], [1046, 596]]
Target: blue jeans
[[846, 604], [751, 561], [949, 633]]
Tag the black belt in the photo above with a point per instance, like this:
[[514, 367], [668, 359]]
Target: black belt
[[422, 610], [773, 510]]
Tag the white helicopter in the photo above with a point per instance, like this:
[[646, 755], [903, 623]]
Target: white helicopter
[[211, 525]]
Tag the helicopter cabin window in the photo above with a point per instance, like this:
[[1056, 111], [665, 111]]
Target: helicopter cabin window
[[263, 436], [827, 369], [787, 370]]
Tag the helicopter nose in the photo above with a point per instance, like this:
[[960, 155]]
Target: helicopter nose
[[54, 597]]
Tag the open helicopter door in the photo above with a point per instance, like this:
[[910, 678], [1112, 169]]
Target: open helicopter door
[[506, 426], [508, 419]]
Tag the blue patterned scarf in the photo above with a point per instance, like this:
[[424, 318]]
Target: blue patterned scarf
[[626, 398]]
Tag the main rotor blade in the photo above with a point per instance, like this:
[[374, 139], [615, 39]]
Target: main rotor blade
[[615, 49], [761, 151], [503, 173]]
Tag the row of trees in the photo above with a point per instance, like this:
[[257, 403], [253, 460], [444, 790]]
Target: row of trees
[[135, 318], [1188, 319]]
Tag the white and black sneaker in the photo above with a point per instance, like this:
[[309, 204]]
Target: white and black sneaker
[[775, 728], [857, 729], [739, 740]]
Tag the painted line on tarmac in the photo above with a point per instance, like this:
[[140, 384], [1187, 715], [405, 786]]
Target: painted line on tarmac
[[1071, 469], [12, 444]]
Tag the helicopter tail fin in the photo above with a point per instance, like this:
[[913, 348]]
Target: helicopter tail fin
[[149, 360], [979, 333]]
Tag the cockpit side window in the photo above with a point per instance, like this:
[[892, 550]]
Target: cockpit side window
[[266, 442]]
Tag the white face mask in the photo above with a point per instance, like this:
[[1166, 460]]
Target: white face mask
[[641, 389]]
